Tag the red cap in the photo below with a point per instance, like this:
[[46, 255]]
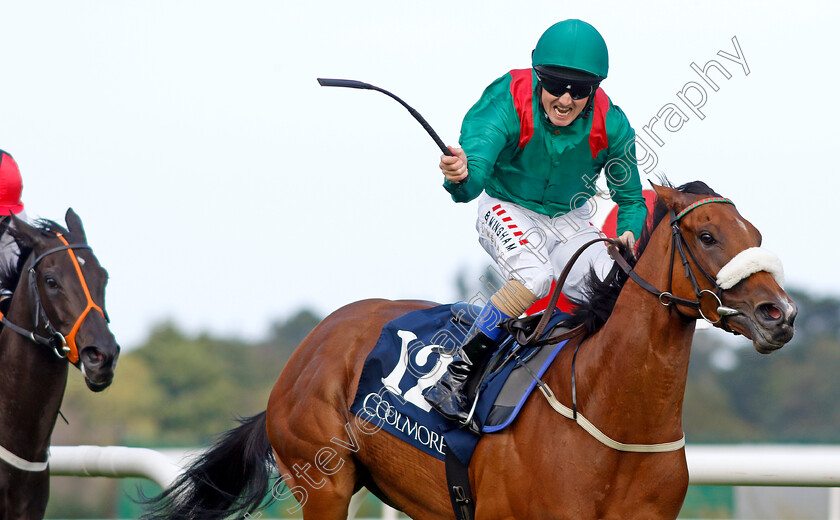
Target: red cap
[[11, 185]]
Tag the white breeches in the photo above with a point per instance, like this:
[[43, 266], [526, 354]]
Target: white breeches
[[534, 248]]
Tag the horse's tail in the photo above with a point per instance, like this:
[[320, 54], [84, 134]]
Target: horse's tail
[[232, 478]]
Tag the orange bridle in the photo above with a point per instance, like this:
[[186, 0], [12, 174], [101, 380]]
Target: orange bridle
[[73, 354], [64, 346]]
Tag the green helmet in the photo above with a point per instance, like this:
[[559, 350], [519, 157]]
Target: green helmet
[[572, 44]]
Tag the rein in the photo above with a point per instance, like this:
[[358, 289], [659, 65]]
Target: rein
[[63, 346], [679, 243], [666, 298]]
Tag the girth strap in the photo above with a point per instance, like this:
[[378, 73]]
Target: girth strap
[[458, 485]]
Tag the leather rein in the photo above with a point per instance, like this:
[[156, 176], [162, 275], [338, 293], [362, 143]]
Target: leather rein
[[63, 346], [666, 298]]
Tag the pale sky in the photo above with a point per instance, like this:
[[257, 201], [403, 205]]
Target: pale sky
[[223, 188]]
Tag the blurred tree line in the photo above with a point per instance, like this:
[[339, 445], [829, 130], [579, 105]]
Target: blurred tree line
[[177, 390], [788, 396], [174, 390]]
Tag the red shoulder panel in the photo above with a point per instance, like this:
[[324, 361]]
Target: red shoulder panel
[[522, 91], [598, 133]]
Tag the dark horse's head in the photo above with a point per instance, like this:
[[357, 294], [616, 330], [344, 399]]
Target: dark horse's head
[[65, 286]]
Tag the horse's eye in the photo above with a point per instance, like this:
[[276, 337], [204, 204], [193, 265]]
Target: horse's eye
[[51, 282], [707, 238]]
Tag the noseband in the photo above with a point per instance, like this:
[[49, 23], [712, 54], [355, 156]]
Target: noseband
[[733, 272], [63, 346], [680, 245], [740, 267]]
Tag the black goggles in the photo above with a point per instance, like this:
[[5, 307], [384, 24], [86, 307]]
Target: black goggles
[[559, 86]]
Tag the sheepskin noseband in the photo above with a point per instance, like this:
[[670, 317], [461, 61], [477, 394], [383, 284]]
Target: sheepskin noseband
[[748, 262]]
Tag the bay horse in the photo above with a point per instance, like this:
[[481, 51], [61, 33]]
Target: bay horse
[[630, 369], [56, 318]]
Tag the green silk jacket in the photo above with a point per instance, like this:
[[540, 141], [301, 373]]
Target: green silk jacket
[[517, 155]]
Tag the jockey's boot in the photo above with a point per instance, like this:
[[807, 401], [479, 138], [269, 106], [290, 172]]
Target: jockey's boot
[[450, 395]]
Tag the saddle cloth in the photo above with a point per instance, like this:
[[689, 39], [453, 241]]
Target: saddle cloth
[[413, 352]]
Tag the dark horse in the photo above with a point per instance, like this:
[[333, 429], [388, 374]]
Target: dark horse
[[57, 314], [630, 370]]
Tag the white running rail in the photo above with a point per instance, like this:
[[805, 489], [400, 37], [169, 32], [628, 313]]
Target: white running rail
[[114, 462], [724, 465]]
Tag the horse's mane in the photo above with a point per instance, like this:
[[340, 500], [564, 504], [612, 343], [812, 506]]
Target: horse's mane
[[10, 273], [600, 296]]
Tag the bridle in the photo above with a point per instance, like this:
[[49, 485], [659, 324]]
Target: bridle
[[666, 298], [680, 245], [63, 346]]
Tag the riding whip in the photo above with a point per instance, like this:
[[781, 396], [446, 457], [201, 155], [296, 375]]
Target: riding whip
[[350, 83]]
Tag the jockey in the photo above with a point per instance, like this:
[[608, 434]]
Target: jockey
[[533, 147], [11, 186]]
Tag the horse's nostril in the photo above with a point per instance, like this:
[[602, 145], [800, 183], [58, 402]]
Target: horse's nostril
[[93, 356], [771, 312]]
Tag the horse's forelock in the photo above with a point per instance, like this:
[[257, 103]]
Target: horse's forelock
[[49, 228]]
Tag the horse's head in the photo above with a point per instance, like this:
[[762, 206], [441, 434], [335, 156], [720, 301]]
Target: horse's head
[[737, 282], [66, 290]]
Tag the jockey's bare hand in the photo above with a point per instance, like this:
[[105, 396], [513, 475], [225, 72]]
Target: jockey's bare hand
[[628, 240], [454, 167]]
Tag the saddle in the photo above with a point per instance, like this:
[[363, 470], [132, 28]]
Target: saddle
[[512, 372], [513, 366]]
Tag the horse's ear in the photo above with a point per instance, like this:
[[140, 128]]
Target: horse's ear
[[674, 199], [25, 235], [74, 226]]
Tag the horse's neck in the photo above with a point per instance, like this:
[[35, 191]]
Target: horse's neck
[[32, 382], [637, 364]]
